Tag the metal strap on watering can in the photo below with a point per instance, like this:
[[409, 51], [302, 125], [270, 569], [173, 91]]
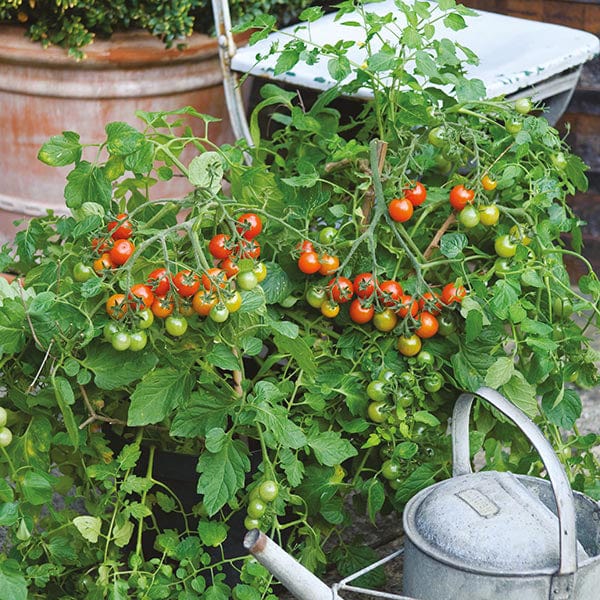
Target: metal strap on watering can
[[562, 582]]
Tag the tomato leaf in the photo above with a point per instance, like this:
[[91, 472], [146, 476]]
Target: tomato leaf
[[61, 150], [299, 350], [330, 448], [521, 393], [88, 183], [89, 527], [452, 244], [350, 559], [64, 399], [223, 357], [562, 408], [292, 467], [222, 474], [212, 533], [206, 171], [112, 372], [375, 498], [420, 478], [277, 285], [12, 326], [12, 582], [205, 411], [123, 139], [500, 372]]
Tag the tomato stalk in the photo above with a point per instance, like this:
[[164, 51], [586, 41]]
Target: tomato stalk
[[138, 545]]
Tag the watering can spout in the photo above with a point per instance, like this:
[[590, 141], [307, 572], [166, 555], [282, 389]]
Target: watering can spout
[[296, 578]]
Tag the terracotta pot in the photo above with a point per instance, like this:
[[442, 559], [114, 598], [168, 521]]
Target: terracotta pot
[[45, 92]]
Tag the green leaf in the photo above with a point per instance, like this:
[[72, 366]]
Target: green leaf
[[330, 448], [129, 456], [63, 392], [292, 467], [505, 295], [88, 527], [285, 328], [384, 60], [277, 285], [37, 488], [339, 67], [61, 150], [123, 139], [222, 474], [350, 559], [375, 498], [111, 372], [156, 395], [139, 511], [422, 416], [562, 408], [206, 171], [420, 478], [452, 244], [206, 410], [500, 372], [287, 60], [426, 64], [455, 22], [275, 419], [7, 494], [469, 90], [9, 513], [12, 326], [167, 503], [299, 350], [223, 357], [522, 394], [87, 183], [212, 533], [12, 582], [122, 534]]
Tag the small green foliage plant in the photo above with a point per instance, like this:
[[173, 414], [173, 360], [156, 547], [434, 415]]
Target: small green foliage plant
[[298, 326]]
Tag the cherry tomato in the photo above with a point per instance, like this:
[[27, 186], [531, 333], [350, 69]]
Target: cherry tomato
[[559, 160], [268, 490], [517, 232], [233, 302], [230, 267], [162, 307], [341, 289], [104, 263], [502, 266], [5, 437], [250, 225], [428, 325], [513, 125], [82, 272], [219, 313], [101, 245], [469, 217], [176, 326], [489, 214], [364, 285], [184, 307], [121, 341], [430, 301], [488, 183], [186, 283], [309, 262], [305, 246], [251, 524], [523, 106], [504, 246], [407, 306], [460, 196], [256, 508], [330, 309], [138, 340], [376, 411], [390, 292], [121, 228], [452, 293], [219, 246], [3, 416], [145, 318], [562, 307], [329, 264], [315, 296], [360, 313], [159, 282], [141, 296], [109, 330], [446, 325], [121, 252], [260, 270], [246, 280], [425, 358], [438, 137], [409, 345], [327, 235], [248, 249], [400, 209], [390, 469], [416, 195], [385, 320], [377, 390], [203, 302], [433, 382], [116, 307]]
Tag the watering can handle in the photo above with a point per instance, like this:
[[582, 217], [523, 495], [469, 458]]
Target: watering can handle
[[558, 478]]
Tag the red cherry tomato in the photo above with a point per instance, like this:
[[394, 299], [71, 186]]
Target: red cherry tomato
[[428, 325], [230, 267], [159, 281], [400, 209], [460, 196], [214, 278], [416, 195], [186, 283], [121, 252], [250, 225], [162, 307], [390, 292], [219, 246], [101, 245], [121, 228], [430, 302], [203, 302], [408, 306], [361, 313], [305, 246], [329, 264], [116, 307], [453, 293], [104, 263], [364, 285], [248, 249], [140, 296], [341, 289], [309, 262]]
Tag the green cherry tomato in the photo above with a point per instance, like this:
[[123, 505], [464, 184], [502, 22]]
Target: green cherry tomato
[[256, 508], [409, 345], [425, 358], [390, 469], [109, 330], [438, 137], [5, 437], [3, 416], [376, 411], [433, 382], [513, 125], [250, 523], [376, 390], [562, 307], [327, 235], [268, 490], [219, 313], [386, 375], [260, 270], [504, 246], [559, 160], [502, 266], [489, 215], [145, 318], [469, 217], [139, 339], [404, 399], [315, 296], [82, 272], [247, 280], [176, 326], [121, 341], [523, 106], [446, 325]]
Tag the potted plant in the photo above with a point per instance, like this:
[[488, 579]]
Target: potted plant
[[300, 327], [78, 65]]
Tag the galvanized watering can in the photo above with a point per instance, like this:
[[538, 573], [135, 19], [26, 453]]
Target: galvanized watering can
[[480, 536]]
